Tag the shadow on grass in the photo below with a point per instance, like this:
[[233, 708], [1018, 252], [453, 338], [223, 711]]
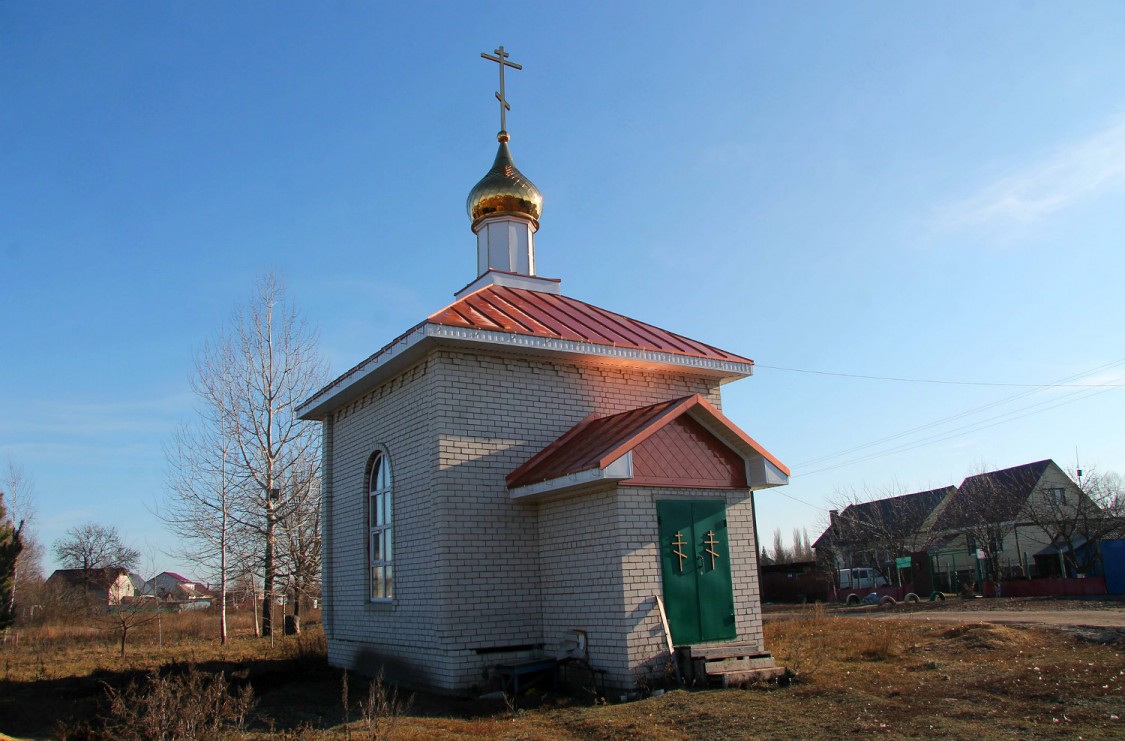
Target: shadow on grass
[[290, 693]]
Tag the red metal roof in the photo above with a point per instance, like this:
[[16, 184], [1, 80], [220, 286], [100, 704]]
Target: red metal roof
[[553, 316], [595, 442]]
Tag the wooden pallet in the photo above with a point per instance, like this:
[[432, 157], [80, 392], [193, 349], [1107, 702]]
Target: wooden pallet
[[726, 664]]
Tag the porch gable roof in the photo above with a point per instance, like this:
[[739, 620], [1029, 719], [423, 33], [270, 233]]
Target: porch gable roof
[[600, 448]]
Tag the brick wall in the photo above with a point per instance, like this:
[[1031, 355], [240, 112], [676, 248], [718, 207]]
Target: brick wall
[[401, 634], [469, 573], [601, 572]]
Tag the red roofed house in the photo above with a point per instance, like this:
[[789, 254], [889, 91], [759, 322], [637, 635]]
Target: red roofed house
[[165, 583], [522, 465]]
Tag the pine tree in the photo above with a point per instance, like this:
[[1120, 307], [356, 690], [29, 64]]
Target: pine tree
[[10, 547]]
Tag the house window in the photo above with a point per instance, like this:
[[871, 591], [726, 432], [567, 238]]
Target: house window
[[1058, 495], [380, 533]]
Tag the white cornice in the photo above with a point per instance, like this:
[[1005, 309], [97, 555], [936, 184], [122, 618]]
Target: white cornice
[[553, 345], [619, 470], [362, 377], [408, 348]]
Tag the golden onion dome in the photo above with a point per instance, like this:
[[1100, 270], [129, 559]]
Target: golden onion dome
[[505, 190]]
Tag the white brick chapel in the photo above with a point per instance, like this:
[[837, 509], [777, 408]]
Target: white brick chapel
[[521, 472]]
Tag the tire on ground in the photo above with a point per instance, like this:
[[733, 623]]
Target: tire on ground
[[853, 599], [937, 596], [911, 597], [887, 601]]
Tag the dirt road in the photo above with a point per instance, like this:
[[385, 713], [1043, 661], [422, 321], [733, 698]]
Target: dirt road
[[1064, 618], [1106, 613]]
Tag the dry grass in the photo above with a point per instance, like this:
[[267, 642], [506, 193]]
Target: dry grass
[[80, 646], [855, 676]]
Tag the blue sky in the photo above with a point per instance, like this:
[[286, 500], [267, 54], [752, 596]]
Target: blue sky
[[881, 189]]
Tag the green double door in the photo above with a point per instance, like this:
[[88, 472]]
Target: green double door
[[695, 562]]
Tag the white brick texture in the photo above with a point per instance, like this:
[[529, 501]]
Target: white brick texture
[[476, 573]]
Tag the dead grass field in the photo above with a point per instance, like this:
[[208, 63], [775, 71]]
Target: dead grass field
[[856, 677]]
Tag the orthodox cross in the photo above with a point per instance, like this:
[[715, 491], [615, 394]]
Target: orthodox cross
[[502, 59], [711, 543], [677, 544]]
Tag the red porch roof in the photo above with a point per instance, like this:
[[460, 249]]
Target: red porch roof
[[553, 316], [596, 442]]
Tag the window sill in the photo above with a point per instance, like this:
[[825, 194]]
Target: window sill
[[380, 605]]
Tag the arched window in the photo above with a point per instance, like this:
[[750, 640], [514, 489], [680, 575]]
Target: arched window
[[380, 548]]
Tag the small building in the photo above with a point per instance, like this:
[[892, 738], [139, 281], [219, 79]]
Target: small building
[[168, 582], [95, 587], [188, 596], [522, 467], [798, 581], [138, 583]]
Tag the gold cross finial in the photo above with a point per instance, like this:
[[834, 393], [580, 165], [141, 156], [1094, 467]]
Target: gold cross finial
[[502, 59]]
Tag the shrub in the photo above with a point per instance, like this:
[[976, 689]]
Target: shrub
[[382, 708], [191, 705], [804, 642], [878, 642]]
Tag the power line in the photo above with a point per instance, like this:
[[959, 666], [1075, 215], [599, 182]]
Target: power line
[[1083, 392], [974, 427], [787, 495], [940, 381], [1061, 383]]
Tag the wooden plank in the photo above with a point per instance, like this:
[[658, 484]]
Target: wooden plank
[[757, 675], [664, 624], [738, 665], [668, 636], [729, 652]]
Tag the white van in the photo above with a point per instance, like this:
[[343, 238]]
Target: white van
[[861, 578]]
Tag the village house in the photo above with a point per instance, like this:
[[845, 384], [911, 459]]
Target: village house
[[167, 582], [95, 587], [1016, 522], [875, 532], [179, 591], [993, 514], [523, 476]]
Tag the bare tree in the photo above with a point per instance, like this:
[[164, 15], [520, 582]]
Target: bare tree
[[802, 551], [128, 609], [986, 511], [780, 553], [252, 378], [1071, 518], [873, 528], [93, 546], [301, 542], [201, 489]]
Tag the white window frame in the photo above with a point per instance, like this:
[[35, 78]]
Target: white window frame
[[380, 527]]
